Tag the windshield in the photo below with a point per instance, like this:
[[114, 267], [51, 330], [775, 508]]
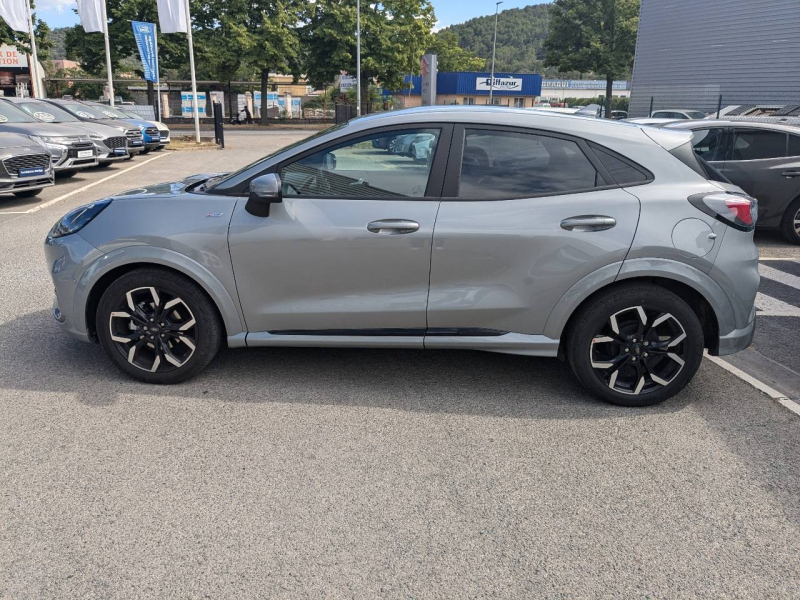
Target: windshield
[[215, 181], [47, 113], [83, 110], [11, 114], [110, 112]]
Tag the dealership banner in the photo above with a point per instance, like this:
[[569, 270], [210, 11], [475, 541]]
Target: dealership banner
[[187, 110], [91, 15], [145, 34], [501, 84], [15, 13], [581, 84], [172, 16]]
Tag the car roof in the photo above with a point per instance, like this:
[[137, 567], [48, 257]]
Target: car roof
[[703, 123]]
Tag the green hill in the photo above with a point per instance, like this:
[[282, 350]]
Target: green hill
[[520, 35]]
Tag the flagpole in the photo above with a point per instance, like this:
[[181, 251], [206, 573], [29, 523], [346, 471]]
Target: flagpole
[[35, 57], [194, 79], [158, 75], [108, 52]]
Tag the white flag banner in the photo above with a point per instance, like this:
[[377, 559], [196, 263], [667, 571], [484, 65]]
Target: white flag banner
[[15, 13], [171, 16], [91, 14]]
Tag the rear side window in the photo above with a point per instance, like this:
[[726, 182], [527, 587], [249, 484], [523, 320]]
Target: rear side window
[[686, 155], [754, 144], [504, 164], [622, 172], [708, 143], [794, 145]]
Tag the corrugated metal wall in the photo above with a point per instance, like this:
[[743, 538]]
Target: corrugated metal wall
[[690, 51]]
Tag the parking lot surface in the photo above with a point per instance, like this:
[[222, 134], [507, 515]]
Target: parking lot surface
[[316, 473]]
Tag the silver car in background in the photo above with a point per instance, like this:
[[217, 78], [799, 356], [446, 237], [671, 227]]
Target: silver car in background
[[89, 114], [111, 145], [70, 150], [607, 244], [26, 167]]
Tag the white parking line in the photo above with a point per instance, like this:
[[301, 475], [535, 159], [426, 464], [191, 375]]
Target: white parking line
[[759, 385], [49, 203], [767, 306], [779, 276]]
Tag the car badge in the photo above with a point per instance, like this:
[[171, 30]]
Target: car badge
[[214, 214]]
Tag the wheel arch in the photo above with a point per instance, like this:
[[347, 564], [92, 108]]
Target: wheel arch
[[110, 267], [697, 289]]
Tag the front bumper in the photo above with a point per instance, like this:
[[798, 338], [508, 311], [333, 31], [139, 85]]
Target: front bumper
[[12, 184], [73, 157]]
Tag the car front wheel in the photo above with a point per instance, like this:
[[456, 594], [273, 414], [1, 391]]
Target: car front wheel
[[636, 345], [158, 326], [790, 226]]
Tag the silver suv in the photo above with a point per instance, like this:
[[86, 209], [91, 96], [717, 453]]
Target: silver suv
[[25, 166], [89, 114], [111, 144], [609, 245]]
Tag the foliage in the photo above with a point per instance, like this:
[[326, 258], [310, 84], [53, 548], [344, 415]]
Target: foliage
[[57, 38], [21, 39], [450, 56], [520, 35], [617, 102], [593, 35]]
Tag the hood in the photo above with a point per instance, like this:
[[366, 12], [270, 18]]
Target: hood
[[42, 129], [87, 127], [117, 124], [166, 189], [20, 142], [138, 123]]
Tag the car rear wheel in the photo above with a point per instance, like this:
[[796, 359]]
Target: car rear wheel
[[158, 326], [28, 193], [790, 226], [636, 345]]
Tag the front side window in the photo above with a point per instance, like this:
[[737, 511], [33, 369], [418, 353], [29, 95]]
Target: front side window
[[794, 145], [754, 144], [504, 164], [381, 165], [708, 143]]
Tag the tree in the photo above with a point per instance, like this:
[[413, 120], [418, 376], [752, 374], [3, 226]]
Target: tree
[[450, 56], [394, 35], [593, 35]]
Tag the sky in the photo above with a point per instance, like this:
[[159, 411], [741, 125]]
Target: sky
[[59, 13]]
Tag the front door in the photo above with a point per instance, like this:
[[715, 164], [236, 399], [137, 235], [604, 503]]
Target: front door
[[347, 251], [530, 216]]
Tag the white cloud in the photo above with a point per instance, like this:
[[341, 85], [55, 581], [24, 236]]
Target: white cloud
[[60, 6]]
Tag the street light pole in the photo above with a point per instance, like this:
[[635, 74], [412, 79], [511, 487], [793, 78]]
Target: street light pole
[[358, 58], [494, 47]]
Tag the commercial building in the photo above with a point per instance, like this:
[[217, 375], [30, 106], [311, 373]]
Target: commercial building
[[689, 53], [15, 72], [557, 90], [464, 87]]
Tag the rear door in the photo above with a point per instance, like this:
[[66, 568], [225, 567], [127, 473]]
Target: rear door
[[525, 216], [759, 165]]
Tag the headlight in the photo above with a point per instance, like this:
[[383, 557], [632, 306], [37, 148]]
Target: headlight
[[79, 218], [141, 127], [55, 145]]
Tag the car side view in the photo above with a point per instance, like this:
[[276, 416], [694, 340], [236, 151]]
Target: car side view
[[609, 245]]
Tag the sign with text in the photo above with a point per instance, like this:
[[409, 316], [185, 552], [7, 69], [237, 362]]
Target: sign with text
[[581, 84], [347, 82], [501, 84], [187, 108], [145, 34], [11, 57]]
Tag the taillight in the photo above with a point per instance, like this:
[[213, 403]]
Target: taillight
[[737, 210]]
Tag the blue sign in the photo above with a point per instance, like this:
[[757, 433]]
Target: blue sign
[[31, 171], [145, 34]]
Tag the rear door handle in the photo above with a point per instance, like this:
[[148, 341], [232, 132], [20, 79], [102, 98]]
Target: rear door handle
[[393, 226], [791, 173], [588, 223]]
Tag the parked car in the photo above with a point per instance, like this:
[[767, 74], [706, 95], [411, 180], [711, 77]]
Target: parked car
[[678, 114], [90, 114], [163, 129], [150, 133], [619, 114], [761, 158], [26, 166], [69, 150], [110, 144], [607, 244], [649, 121]]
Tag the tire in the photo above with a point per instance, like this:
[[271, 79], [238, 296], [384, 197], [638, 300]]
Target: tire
[[790, 225], [66, 174], [183, 338], [667, 344], [28, 193]]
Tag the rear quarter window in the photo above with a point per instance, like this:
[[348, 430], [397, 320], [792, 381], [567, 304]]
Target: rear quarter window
[[622, 171]]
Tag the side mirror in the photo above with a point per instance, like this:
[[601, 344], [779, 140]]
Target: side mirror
[[264, 190], [329, 162]]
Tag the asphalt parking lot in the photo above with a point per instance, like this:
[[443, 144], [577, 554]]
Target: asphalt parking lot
[[315, 473]]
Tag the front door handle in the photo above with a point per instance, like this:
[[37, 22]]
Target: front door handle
[[791, 173], [393, 226], [588, 223]]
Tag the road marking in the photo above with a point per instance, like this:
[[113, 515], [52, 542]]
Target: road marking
[[777, 258], [767, 306], [759, 385], [779, 276], [50, 203]]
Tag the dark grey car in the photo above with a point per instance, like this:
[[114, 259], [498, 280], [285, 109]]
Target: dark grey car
[[761, 158]]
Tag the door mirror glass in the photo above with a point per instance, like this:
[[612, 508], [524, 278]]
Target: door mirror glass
[[329, 162]]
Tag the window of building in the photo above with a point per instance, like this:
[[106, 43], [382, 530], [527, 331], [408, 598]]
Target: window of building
[[504, 164], [755, 144], [381, 165], [469, 101], [519, 102]]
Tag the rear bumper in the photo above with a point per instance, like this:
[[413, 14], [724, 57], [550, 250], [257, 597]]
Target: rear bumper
[[738, 339]]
